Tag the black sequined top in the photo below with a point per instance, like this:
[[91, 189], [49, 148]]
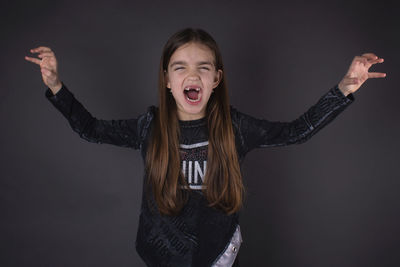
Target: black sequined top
[[199, 234]]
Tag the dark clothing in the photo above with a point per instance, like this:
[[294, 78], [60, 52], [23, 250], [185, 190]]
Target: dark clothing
[[199, 234]]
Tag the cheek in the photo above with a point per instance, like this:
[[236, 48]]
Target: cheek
[[208, 81], [174, 79]]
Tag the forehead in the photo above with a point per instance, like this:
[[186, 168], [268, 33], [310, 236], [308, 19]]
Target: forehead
[[192, 53]]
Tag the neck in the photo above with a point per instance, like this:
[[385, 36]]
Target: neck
[[190, 117]]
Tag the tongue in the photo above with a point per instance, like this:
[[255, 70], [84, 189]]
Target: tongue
[[193, 94]]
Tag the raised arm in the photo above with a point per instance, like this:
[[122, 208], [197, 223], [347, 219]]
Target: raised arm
[[256, 133], [126, 133]]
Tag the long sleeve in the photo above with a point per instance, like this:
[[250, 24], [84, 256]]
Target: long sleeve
[[258, 133], [125, 133]]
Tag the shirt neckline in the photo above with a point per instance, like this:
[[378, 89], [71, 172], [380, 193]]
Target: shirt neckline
[[193, 123]]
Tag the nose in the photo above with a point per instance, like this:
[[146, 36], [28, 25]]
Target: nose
[[193, 75]]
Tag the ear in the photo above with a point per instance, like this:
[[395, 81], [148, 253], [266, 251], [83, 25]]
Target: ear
[[217, 79], [168, 85]]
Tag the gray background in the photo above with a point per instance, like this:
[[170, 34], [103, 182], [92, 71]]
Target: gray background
[[332, 201]]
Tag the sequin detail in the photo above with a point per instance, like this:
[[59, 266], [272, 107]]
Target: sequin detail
[[229, 255]]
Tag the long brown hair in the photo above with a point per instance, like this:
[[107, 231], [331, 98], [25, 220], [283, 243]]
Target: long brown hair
[[224, 189]]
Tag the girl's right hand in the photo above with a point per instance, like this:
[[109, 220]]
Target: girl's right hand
[[48, 67]]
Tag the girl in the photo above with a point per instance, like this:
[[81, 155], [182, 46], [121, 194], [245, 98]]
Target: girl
[[192, 145]]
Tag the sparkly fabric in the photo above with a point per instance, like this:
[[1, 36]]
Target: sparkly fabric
[[199, 234], [229, 255]]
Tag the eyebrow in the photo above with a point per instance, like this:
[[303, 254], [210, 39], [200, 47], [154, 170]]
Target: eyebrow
[[199, 63]]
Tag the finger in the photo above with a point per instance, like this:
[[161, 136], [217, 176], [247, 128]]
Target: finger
[[372, 62], [370, 55], [46, 54], [379, 60], [34, 60], [375, 61], [40, 49], [376, 75]]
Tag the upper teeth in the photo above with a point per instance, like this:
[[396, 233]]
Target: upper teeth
[[188, 88]]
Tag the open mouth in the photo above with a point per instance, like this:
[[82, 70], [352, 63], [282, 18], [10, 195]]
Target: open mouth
[[192, 93]]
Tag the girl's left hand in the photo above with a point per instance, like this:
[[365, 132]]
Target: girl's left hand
[[358, 73]]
